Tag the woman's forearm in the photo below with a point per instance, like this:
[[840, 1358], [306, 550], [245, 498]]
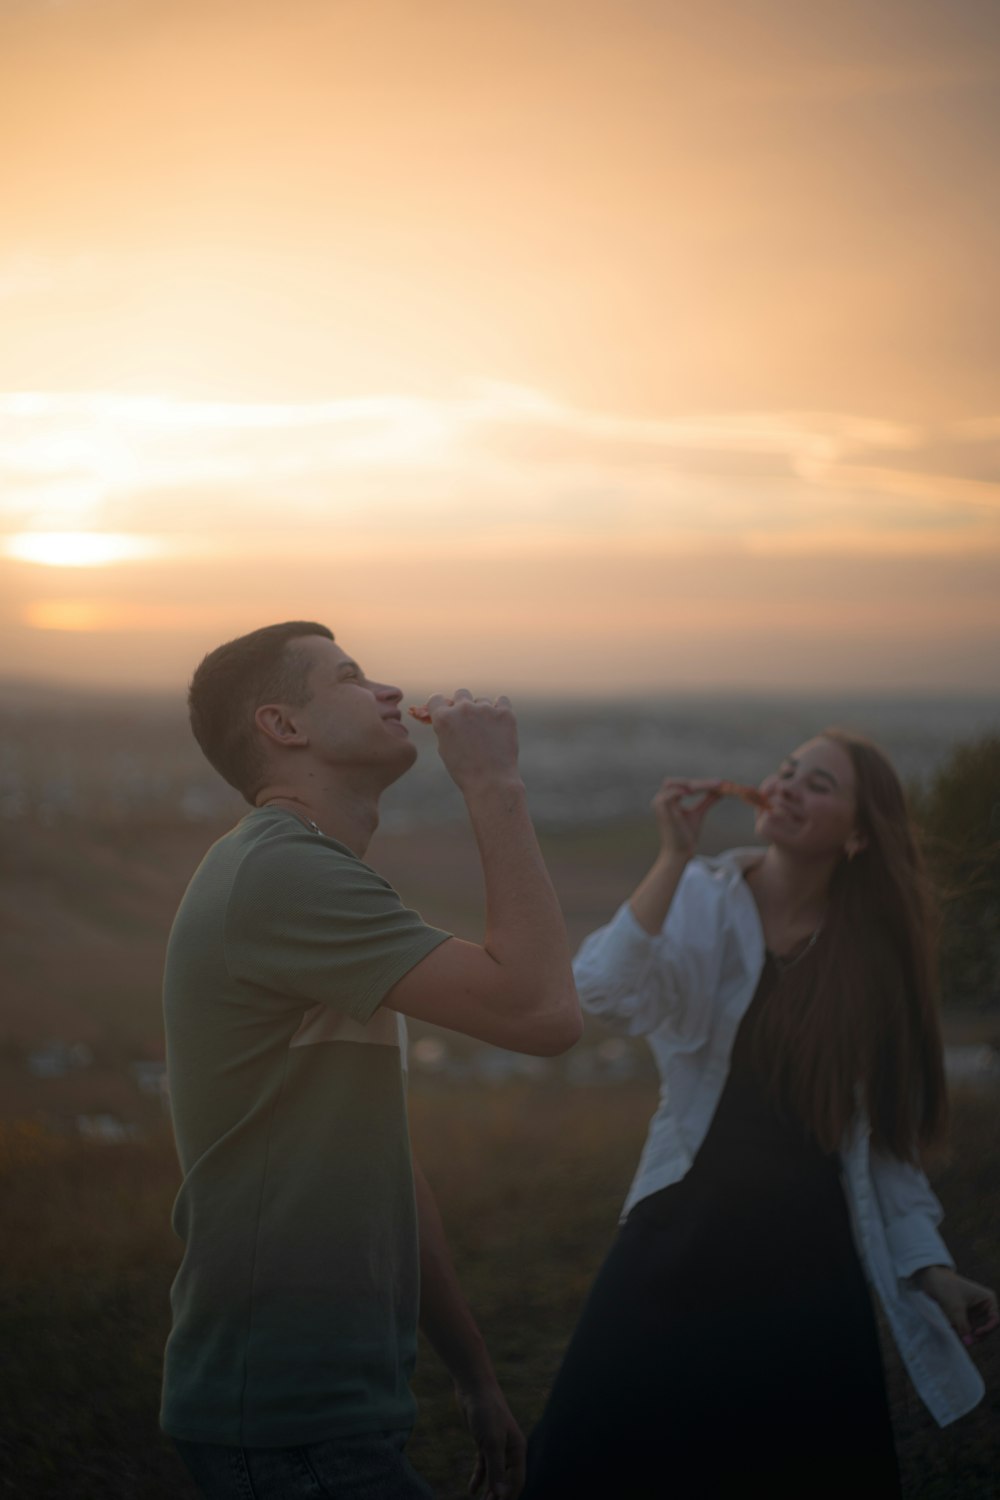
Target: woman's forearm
[[652, 897]]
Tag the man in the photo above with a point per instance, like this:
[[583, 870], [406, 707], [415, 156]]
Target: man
[[290, 966]]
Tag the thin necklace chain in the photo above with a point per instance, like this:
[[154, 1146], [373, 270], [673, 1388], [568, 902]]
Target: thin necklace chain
[[781, 964], [301, 817]]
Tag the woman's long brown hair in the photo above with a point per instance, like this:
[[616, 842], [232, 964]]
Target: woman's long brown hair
[[857, 1019]]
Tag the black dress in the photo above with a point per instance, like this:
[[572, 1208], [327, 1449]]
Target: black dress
[[729, 1341]]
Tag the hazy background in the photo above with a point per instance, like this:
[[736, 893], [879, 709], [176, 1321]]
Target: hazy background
[[635, 357], [571, 346]]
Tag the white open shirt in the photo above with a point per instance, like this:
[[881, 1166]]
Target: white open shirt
[[686, 991]]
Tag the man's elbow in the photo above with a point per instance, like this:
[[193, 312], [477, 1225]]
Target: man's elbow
[[554, 1027], [557, 1038]]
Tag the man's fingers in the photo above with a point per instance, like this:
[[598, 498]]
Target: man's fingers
[[478, 1475], [438, 701], [461, 695], [517, 1458], [496, 1473]]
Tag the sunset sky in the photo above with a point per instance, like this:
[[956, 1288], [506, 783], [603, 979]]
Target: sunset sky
[[551, 345]]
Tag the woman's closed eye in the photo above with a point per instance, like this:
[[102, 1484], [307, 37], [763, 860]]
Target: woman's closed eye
[[816, 784]]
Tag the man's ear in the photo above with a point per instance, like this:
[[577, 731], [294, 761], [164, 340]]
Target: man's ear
[[280, 724]]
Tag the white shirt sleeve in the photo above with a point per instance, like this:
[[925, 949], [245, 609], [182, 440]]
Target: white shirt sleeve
[[632, 981], [910, 1213]]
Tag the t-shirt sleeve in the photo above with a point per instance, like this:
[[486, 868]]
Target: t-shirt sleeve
[[310, 921]]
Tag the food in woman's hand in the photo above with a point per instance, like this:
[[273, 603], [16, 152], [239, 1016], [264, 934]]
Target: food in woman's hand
[[746, 793], [422, 714]]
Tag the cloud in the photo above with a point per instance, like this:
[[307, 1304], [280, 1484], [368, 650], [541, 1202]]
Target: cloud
[[75, 549], [490, 462]]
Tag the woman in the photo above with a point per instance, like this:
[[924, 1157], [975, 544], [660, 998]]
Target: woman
[[787, 996]]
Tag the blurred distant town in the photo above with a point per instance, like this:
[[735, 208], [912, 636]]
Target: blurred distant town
[[71, 754]]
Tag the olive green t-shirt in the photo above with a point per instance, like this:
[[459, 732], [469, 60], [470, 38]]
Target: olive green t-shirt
[[295, 1305]]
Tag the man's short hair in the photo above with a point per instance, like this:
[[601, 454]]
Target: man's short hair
[[231, 684]]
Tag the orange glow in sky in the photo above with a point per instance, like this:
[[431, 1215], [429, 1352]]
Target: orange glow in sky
[[564, 347]]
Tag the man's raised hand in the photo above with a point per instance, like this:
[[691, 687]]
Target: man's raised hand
[[477, 737]]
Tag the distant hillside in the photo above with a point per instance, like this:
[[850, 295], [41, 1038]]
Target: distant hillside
[[81, 755], [85, 909], [107, 805], [84, 913]]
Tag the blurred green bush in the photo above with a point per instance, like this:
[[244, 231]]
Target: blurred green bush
[[958, 812]]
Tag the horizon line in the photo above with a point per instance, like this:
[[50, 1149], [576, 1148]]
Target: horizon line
[[12, 682]]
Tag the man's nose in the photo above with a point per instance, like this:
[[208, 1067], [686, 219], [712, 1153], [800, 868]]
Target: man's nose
[[390, 694]]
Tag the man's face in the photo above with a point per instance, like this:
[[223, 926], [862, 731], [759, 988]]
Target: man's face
[[351, 720]]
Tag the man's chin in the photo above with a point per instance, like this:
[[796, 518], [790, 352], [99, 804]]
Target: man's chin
[[400, 762]]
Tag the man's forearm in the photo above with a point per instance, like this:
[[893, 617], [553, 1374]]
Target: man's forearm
[[445, 1316], [525, 929], [451, 1328]]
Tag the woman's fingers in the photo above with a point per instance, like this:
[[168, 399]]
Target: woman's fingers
[[685, 786], [680, 806], [984, 1315], [677, 796], [971, 1309]]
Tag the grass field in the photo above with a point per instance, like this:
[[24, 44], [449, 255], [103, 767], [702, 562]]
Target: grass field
[[530, 1180], [530, 1177]]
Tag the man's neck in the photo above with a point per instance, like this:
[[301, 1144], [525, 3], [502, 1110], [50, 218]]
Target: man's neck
[[347, 815]]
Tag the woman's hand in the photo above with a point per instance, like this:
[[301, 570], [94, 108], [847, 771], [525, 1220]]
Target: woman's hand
[[680, 825], [970, 1309], [679, 829]]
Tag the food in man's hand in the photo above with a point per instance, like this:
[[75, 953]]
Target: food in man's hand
[[745, 793], [422, 714]]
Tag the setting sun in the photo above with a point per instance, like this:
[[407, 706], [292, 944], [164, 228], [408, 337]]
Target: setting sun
[[471, 328], [77, 549]]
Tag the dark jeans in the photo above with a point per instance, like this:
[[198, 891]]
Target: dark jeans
[[363, 1466]]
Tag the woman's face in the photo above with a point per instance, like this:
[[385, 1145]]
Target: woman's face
[[813, 802]]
